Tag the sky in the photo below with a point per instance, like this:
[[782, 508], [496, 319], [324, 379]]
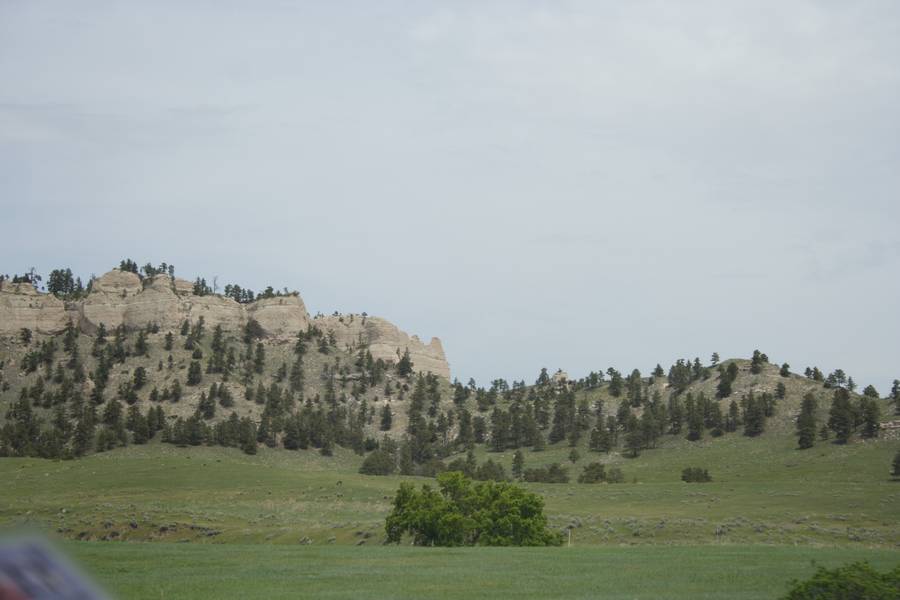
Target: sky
[[539, 184]]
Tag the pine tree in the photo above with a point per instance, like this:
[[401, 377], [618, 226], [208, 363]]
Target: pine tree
[[259, 360], [387, 417], [806, 422], [841, 419], [726, 379], [871, 417], [405, 365], [195, 373]]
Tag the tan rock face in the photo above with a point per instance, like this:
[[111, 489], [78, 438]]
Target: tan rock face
[[22, 306], [109, 300], [386, 341], [284, 315], [122, 298]]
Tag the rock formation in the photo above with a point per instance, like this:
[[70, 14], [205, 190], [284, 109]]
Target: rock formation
[[386, 341], [22, 306], [123, 298]]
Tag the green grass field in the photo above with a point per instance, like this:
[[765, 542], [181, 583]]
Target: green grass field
[[190, 571]]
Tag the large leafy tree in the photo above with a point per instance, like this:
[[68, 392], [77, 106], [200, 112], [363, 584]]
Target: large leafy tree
[[465, 513]]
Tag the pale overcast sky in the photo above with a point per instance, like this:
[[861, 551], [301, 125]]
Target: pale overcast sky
[[560, 184]]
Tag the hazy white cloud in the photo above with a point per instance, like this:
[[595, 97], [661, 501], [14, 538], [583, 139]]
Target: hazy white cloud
[[566, 184]]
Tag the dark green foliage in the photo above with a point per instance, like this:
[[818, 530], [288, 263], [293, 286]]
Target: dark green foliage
[[405, 365], [594, 472], [259, 359], [379, 462], [856, 581], [463, 513], [490, 471], [387, 417], [63, 284], [195, 373], [841, 417], [755, 409], [870, 414], [139, 378], [806, 422], [757, 362], [870, 392], [553, 473], [785, 370], [726, 379], [895, 466], [695, 475], [615, 475], [518, 464]]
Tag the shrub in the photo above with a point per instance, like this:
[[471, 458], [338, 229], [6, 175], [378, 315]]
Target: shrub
[[378, 462], [615, 475], [856, 580], [695, 475], [593, 473], [466, 513], [550, 474], [490, 471]]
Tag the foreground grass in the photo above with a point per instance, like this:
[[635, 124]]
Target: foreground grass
[[162, 570]]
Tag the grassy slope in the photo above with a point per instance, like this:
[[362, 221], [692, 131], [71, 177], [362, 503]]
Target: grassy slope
[[763, 493]]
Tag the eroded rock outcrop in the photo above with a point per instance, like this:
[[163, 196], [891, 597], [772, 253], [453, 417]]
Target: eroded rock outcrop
[[21, 306], [282, 315], [386, 341], [123, 298]]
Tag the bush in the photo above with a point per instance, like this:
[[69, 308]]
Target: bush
[[466, 513], [695, 475], [593, 473], [550, 474], [378, 462], [615, 475], [856, 580], [490, 471]]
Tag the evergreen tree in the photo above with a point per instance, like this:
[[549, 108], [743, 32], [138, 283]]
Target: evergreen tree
[[195, 373], [841, 418], [806, 422], [387, 417], [259, 359], [726, 379], [871, 417], [405, 365]]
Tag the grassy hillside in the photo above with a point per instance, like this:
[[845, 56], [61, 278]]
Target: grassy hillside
[[762, 493]]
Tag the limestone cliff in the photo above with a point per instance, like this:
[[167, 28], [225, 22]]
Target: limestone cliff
[[386, 341], [22, 306], [123, 298]]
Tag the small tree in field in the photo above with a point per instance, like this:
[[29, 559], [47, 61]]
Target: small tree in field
[[466, 513]]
